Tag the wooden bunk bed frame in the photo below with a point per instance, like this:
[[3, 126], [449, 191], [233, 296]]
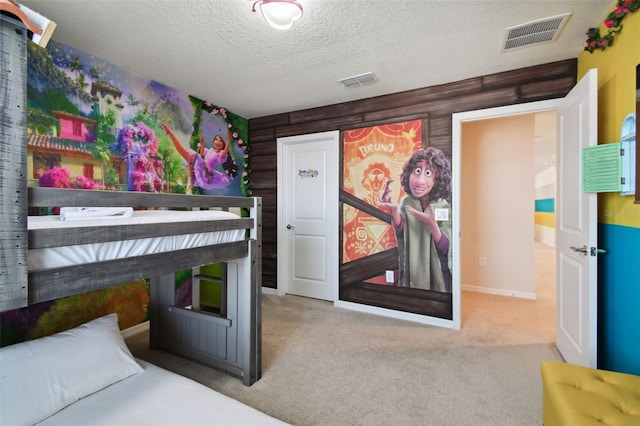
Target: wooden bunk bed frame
[[232, 343]]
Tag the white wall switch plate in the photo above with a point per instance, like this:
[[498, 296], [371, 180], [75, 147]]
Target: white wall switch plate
[[389, 276]]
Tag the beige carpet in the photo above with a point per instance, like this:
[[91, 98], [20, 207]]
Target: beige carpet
[[330, 366]]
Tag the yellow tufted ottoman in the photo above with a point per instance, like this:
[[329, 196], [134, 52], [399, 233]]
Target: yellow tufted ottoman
[[580, 396]]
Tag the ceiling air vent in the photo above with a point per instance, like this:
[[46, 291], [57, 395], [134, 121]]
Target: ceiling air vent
[[541, 31], [359, 80]]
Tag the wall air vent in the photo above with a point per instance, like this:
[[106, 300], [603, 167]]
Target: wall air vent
[[536, 32], [359, 80]]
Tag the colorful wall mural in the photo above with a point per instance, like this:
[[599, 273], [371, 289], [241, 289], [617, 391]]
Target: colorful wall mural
[[618, 215], [373, 159], [396, 207], [93, 125], [127, 132]]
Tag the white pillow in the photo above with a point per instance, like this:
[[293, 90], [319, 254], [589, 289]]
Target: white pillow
[[42, 376]]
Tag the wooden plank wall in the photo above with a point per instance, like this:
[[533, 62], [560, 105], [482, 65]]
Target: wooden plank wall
[[434, 105]]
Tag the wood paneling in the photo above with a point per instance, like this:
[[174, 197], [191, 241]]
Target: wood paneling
[[522, 76], [440, 126], [264, 162], [434, 105], [263, 179]]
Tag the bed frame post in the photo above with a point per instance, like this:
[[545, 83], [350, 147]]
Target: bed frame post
[[254, 362], [13, 165], [158, 299], [255, 249]]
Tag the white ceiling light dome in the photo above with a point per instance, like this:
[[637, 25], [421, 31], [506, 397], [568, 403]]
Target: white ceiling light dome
[[280, 14]]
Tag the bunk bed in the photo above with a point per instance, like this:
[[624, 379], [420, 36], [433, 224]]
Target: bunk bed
[[153, 244], [231, 341], [91, 376]]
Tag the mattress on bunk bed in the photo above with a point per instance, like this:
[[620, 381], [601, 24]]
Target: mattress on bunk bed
[[159, 397], [55, 257]]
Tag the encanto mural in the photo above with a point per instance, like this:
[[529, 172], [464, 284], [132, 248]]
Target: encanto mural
[[93, 125], [396, 220], [115, 130]]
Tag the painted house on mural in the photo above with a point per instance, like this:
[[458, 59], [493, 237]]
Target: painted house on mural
[[69, 140]]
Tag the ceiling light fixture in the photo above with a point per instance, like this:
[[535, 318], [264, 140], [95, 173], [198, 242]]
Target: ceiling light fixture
[[280, 14]]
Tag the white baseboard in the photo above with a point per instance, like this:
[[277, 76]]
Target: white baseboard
[[545, 235], [269, 290], [139, 328], [406, 316], [499, 292]]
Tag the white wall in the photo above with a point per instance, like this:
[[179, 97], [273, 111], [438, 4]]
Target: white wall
[[497, 206], [545, 180]]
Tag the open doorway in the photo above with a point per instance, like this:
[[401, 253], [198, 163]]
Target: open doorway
[[508, 228], [576, 219]]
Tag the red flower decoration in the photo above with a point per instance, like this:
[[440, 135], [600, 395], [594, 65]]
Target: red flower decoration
[[614, 24]]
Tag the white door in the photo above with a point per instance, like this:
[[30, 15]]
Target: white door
[[576, 227], [308, 215]]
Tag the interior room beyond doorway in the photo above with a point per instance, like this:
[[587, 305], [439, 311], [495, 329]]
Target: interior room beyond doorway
[[507, 247]]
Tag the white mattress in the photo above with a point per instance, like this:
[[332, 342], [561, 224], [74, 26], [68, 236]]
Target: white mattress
[[159, 397], [46, 258]]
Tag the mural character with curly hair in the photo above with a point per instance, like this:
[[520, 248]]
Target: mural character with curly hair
[[422, 221]]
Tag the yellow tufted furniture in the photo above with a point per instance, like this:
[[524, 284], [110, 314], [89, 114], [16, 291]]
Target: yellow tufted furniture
[[580, 396]]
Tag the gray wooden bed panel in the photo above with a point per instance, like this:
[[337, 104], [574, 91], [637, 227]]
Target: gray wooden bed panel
[[13, 163], [232, 343]]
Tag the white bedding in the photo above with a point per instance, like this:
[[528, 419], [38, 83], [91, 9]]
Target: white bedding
[[159, 397], [87, 376], [88, 253]]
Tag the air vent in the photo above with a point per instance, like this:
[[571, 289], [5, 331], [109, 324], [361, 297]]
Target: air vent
[[359, 80], [536, 32]]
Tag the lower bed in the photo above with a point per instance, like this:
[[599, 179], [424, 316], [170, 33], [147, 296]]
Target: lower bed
[[87, 376], [159, 397]]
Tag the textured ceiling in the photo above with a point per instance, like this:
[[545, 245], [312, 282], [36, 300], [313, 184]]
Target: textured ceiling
[[220, 51]]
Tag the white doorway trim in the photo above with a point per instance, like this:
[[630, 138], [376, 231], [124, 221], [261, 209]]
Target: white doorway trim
[[456, 141]]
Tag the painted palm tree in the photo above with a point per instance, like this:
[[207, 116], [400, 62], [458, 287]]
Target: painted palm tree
[[132, 101], [77, 67], [105, 138], [95, 74], [81, 86]]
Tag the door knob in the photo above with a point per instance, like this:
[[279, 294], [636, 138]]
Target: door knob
[[582, 249], [291, 227], [594, 251]]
